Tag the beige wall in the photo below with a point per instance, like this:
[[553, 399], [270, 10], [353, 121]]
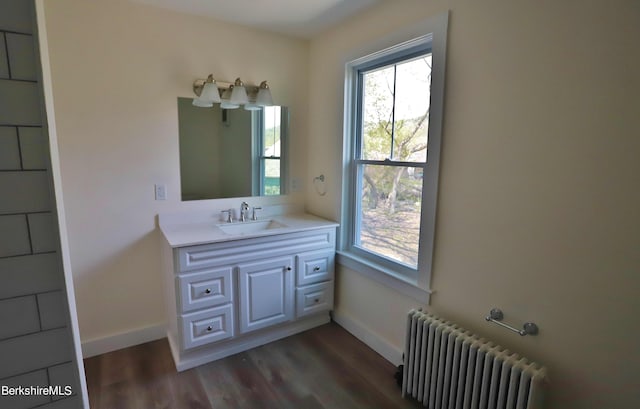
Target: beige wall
[[538, 205], [117, 69]]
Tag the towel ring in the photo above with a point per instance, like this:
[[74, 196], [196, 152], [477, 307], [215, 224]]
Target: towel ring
[[317, 181]]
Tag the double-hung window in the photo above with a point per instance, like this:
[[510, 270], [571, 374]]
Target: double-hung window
[[392, 148]]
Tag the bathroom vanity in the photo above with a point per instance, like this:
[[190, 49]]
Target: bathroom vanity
[[234, 286]]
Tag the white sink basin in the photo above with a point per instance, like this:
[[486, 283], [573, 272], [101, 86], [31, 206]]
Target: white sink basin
[[250, 226]]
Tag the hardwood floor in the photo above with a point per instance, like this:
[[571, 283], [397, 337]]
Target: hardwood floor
[[323, 368]]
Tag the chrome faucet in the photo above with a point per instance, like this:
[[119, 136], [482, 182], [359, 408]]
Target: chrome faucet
[[244, 210]]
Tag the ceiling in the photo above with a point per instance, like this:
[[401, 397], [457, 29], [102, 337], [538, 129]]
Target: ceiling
[[301, 18]]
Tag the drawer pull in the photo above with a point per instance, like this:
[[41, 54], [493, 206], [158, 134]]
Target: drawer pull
[[207, 291], [316, 268], [317, 300], [209, 328]]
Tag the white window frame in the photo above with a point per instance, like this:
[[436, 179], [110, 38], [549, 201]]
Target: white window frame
[[411, 282]]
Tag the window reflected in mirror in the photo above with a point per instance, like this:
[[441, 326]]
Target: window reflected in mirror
[[270, 152]]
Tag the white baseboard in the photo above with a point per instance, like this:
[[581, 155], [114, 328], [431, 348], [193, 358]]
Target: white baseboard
[[110, 343], [98, 346], [373, 340]]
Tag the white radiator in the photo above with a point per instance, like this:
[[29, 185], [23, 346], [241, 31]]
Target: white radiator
[[447, 367]]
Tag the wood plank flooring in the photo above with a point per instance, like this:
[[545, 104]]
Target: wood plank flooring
[[323, 368]]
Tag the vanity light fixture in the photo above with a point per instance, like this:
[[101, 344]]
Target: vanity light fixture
[[264, 95], [239, 93], [261, 99], [226, 99], [208, 95], [231, 96]]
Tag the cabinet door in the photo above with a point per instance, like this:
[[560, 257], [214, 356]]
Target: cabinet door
[[266, 293]]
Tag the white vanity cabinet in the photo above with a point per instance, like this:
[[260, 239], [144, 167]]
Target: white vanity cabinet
[[232, 295]]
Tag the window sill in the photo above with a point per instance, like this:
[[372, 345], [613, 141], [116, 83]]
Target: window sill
[[383, 276]]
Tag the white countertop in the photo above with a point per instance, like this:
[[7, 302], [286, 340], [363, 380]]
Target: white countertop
[[194, 233]]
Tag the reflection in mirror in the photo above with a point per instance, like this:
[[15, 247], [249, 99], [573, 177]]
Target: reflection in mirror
[[232, 152]]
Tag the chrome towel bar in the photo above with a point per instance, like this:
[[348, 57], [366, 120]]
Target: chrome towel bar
[[496, 316]]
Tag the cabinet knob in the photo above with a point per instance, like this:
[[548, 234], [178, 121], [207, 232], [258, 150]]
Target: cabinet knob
[[288, 268], [316, 268], [207, 291], [317, 300], [209, 328]]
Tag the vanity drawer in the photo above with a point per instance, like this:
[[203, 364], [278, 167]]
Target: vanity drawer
[[205, 289], [203, 327], [314, 298], [314, 267]]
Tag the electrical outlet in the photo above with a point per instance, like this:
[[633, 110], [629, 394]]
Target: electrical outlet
[[161, 191]]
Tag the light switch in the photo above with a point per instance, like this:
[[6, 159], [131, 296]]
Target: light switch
[[161, 191]]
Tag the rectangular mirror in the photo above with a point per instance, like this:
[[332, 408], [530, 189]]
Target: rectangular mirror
[[232, 152]]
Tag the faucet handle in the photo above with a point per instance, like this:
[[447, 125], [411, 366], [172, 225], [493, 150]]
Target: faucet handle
[[229, 215], [255, 217]]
